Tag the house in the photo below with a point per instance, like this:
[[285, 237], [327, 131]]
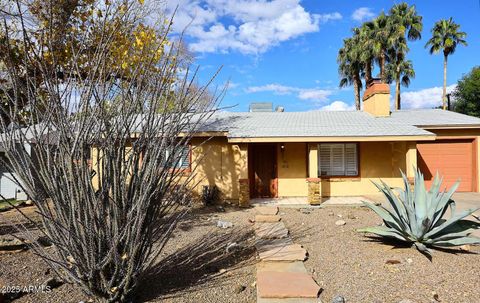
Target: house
[[322, 153]]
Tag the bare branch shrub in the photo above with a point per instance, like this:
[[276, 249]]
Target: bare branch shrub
[[96, 137]]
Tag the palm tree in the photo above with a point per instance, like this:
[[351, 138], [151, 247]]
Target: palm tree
[[350, 67], [400, 71], [446, 35], [405, 25], [405, 20], [378, 39]]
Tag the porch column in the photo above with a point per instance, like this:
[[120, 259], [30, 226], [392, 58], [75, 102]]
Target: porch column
[[411, 158], [314, 182], [241, 160]]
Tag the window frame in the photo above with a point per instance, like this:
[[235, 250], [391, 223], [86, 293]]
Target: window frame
[[185, 169], [338, 176]]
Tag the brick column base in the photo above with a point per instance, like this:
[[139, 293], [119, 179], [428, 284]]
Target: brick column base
[[314, 191], [244, 193]]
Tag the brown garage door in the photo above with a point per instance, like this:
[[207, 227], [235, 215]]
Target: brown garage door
[[453, 159]]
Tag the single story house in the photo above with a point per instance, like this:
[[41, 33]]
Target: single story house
[[325, 153]]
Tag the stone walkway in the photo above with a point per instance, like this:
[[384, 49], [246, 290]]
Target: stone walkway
[[281, 274]]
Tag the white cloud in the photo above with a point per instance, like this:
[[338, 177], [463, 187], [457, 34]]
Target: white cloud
[[424, 98], [362, 13], [315, 94], [247, 26], [338, 106], [312, 94]]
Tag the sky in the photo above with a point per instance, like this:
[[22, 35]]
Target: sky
[[284, 51]]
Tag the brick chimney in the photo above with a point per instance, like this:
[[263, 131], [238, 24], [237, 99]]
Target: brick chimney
[[376, 99]]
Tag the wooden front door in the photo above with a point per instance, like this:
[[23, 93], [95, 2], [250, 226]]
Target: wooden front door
[[263, 172]]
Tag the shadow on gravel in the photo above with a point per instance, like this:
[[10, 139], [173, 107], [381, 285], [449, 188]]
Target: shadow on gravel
[[198, 263]]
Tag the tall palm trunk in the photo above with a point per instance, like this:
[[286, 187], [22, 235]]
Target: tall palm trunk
[[444, 96], [382, 66], [357, 86], [368, 72], [398, 105]]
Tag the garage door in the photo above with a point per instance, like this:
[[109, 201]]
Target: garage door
[[453, 159]]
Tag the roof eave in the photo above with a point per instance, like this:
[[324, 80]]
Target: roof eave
[[332, 139]]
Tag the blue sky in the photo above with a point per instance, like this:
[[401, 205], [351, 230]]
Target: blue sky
[[284, 51]]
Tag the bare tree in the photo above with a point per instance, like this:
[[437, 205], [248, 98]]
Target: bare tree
[[100, 151]]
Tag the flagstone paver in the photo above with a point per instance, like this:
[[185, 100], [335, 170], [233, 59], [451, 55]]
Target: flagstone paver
[[275, 230], [267, 210], [271, 284], [267, 218], [296, 266], [281, 274], [266, 244], [288, 253]]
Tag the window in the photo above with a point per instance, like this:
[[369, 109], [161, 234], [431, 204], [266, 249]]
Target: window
[[182, 161], [338, 159]]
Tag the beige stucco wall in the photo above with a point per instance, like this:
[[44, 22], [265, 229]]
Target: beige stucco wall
[[218, 163], [292, 170], [378, 160]]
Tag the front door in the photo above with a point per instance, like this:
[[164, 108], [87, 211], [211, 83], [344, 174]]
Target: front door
[[263, 173]]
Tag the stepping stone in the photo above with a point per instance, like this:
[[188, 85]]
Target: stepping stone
[[286, 285], [267, 218], [271, 230], [287, 300], [289, 253], [296, 266], [267, 210], [267, 244]]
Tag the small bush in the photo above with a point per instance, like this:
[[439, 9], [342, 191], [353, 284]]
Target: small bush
[[210, 195]]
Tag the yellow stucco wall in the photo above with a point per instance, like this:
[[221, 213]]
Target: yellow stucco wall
[[378, 160], [292, 170], [219, 163]]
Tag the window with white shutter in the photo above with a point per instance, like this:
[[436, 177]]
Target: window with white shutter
[[181, 159], [337, 159]]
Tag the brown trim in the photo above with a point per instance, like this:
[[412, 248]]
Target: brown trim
[[314, 179], [358, 175]]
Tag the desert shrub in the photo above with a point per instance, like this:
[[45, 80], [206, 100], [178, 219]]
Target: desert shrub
[[90, 116], [416, 216]]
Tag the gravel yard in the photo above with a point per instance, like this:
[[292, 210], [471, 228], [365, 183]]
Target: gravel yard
[[363, 269], [200, 271]]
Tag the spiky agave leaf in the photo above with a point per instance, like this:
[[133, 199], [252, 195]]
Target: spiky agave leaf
[[416, 216]]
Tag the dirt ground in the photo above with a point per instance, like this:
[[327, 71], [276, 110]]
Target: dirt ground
[[356, 266], [195, 266]]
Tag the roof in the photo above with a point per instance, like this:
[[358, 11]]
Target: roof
[[307, 124], [434, 117], [332, 123]]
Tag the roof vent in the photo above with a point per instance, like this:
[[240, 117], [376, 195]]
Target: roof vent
[[280, 109], [261, 107]]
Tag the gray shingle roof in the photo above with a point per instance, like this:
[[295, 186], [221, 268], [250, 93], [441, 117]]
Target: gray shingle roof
[[308, 124], [433, 117]]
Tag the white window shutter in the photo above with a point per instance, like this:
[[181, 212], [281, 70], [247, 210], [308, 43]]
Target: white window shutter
[[338, 161], [351, 159], [324, 160]]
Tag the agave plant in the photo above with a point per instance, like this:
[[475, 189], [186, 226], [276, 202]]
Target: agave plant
[[416, 216]]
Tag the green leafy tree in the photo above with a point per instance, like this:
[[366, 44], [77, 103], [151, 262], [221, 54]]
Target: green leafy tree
[[467, 93], [446, 35], [351, 67]]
